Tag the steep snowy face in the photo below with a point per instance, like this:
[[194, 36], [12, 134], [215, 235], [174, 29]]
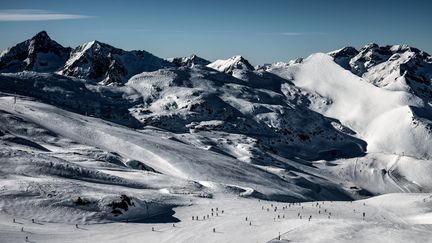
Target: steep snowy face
[[106, 64], [189, 61], [39, 53], [231, 64], [397, 67]]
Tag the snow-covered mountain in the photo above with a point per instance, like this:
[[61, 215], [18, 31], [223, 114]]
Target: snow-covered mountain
[[375, 113], [229, 65], [40, 54], [103, 63], [344, 125], [189, 61], [397, 67]]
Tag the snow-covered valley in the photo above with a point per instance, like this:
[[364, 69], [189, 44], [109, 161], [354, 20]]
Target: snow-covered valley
[[101, 144]]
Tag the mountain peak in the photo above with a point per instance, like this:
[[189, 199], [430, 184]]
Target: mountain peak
[[229, 65], [104, 63], [189, 61], [41, 35], [95, 44], [400, 67], [371, 46], [344, 55], [39, 53], [347, 50]]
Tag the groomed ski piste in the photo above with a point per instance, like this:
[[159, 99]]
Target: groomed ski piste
[[389, 218]]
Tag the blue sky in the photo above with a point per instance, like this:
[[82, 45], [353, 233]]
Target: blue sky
[[262, 31]]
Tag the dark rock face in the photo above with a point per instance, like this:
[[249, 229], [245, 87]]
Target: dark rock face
[[124, 204], [344, 55], [40, 54]]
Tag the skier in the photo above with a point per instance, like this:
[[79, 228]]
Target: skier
[[32, 220], [152, 228], [76, 226], [173, 225], [193, 217], [214, 230]]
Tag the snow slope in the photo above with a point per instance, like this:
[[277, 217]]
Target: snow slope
[[373, 112], [167, 156]]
